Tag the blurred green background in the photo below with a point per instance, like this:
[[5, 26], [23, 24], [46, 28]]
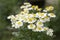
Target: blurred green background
[[8, 7]]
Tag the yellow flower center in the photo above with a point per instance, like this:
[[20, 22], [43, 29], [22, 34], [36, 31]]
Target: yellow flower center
[[39, 28], [19, 22], [52, 14]]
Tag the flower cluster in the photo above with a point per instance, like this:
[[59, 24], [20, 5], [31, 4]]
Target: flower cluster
[[34, 16]]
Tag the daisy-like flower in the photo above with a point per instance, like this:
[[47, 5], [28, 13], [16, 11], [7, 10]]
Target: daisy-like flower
[[19, 17], [39, 9], [30, 8], [33, 6], [30, 15], [42, 20], [12, 19], [39, 23], [22, 7], [51, 15], [26, 10], [35, 15], [50, 8], [26, 3], [31, 20], [29, 5], [36, 7], [50, 32], [42, 15], [18, 24], [44, 10], [45, 28], [11, 16], [45, 19], [38, 29], [31, 26], [25, 19]]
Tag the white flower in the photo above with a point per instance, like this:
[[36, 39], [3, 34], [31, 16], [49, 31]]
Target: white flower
[[44, 10], [11, 16], [22, 7], [26, 3], [31, 20], [39, 9], [45, 19], [51, 15], [18, 24], [25, 19], [38, 29], [19, 17], [35, 8], [42, 20], [50, 32], [45, 28], [29, 5], [30, 8], [42, 15], [31, 26], [30, 15], [39, 23], [13, 25], [35, 15], [50, 8]]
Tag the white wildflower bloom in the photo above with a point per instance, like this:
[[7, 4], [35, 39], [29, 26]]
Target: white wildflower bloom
[[18, 24], [45, 28], [36, 15], [13, 25], [36, 7], [42, 20], [38, 29], [13, 19], [45, 19], [51, 15], [25, 19], [42, 15], [39, 23], [26, 3], [19, 17], [24, 12], [11, 16], [44, 10], [26, 9], [39, 9], [50, 32], [50, 8], [22, 7], [31, 26], [31, 20], [30, 15], [30, 8]]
